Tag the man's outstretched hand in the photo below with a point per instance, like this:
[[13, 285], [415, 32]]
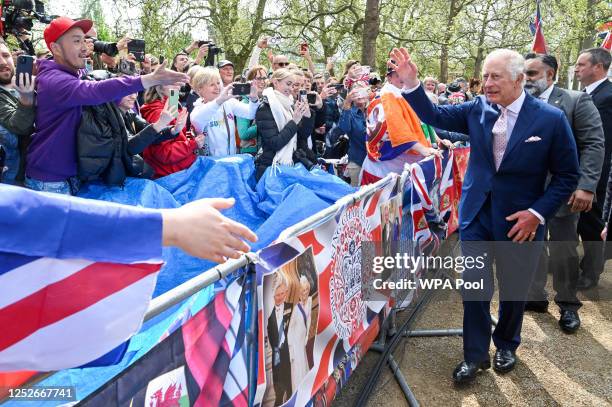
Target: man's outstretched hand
[[163, 76], [201, 230], [402, 64]]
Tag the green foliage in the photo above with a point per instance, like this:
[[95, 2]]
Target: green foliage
[[446, 37]]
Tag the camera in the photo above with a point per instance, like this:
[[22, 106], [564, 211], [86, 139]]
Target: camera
[[213, 51], [108, 48], [127, 67], [17, 17]]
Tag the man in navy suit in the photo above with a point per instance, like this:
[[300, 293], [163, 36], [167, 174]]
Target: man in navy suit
[[515, 142]]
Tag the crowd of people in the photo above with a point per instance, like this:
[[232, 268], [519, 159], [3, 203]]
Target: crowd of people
[[95, 113], [92, 112]]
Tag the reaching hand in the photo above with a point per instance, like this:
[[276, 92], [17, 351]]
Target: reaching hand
[[202, 52], [604, 234], [201, 230], [163, 76], [402, 64]]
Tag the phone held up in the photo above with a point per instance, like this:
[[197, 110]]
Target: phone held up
[[137, 48], [241, 89], [173, 101], [25, 65]]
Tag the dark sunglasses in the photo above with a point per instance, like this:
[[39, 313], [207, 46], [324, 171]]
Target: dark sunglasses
[[282, 63]]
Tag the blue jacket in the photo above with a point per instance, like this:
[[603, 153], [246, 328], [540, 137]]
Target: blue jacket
[[353, 123], [53, 225], [10, 142], [520, 182]]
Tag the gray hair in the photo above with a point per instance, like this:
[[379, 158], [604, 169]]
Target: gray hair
[[280, 280], [515, 63]]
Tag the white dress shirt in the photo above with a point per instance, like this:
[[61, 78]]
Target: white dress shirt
[[546, 94], [590, 88], [512, 112]]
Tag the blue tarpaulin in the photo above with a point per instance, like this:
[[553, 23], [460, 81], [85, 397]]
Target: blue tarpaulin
[[268, 207]]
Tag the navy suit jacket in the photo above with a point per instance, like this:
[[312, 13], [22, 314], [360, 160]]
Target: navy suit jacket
[[520, 182]]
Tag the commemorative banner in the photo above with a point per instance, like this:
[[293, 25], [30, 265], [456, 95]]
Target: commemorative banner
[[315, 323]]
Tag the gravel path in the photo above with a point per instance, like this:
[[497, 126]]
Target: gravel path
[[554, 369]]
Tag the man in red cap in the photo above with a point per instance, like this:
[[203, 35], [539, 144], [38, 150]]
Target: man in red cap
[[52, 160]]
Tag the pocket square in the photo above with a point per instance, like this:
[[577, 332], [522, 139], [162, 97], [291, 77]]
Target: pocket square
[[532, 139]]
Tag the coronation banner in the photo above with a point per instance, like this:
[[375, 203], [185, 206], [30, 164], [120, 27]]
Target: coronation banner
[[314, 322]]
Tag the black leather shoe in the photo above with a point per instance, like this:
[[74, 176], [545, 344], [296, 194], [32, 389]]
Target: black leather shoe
[[569, 321], [537, 306], [504, 361], [465, 372], [586, 283]]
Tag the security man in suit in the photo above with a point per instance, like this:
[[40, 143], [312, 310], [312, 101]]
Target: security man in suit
[[516, 141], [583, 117], [591, 70]]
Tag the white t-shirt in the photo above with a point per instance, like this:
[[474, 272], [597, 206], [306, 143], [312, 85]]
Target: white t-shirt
[[208, 118]]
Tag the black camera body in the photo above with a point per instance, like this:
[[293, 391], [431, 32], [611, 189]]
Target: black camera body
[[18, 15], [213, 51]]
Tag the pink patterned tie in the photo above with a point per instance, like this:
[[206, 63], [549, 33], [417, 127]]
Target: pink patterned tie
[[500, 137]]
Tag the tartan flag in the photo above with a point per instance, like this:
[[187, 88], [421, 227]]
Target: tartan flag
[[539, 42]]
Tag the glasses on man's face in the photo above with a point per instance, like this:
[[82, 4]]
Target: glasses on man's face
[[282, 64]]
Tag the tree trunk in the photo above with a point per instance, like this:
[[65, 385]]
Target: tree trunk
[[452, 12], [371, 28]]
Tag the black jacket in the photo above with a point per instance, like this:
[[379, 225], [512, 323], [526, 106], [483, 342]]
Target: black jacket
[[108, 143], [273, 140]]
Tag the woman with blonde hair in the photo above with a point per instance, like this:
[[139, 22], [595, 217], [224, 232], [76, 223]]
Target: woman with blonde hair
[[213, 114], [283, 124]]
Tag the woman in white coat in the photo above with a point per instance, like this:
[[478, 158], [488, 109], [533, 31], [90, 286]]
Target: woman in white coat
[[214, 113], [299, 326]]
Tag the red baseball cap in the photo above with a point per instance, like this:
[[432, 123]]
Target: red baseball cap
[[60, 25]]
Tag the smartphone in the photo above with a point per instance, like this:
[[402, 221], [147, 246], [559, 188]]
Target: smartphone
[[174, 100], [137, 48], [303, 95], [161, 59], [2, 160], [338, 86], [312, 98], [200, 43], [88, 65], [241, 89], [25, 64], [304, 47]]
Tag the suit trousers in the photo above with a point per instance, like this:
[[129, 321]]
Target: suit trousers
[[514, 269], [590, 226], [562, 260]]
